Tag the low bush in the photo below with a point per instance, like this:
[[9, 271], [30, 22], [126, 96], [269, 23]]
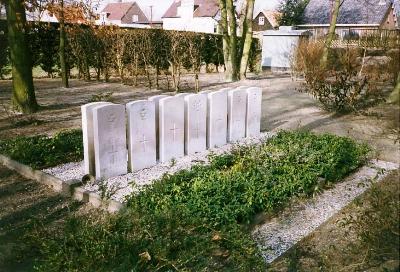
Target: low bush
[[348, 82], [42, 151], [199, 219]]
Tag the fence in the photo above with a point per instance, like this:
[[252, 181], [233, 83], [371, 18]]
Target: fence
[[361, 37]]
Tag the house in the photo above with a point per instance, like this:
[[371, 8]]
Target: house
[[355, 17], [123, 14], [154, 10], [265, 20], [192, 15]]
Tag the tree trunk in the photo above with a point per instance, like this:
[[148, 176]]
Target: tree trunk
[[23, 90], [196, 82], [233, 57], [63, 62], [331, 32], [225, 40], [247, 38]]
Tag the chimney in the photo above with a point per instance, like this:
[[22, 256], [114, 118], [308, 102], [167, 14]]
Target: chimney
[[186, 9]]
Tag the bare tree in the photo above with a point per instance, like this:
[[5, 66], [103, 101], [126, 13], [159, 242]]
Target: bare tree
[[195, 43], [236, 56], [332, 30]]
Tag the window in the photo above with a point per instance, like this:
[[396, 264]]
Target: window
[[135, 18], [261, 20]]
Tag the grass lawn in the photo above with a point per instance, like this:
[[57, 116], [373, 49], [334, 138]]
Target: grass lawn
[[199, 219]]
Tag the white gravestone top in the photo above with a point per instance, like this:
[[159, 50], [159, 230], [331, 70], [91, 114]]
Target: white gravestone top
[[156, 99], [217, 114], [141, 135], [253, 116], [110, 141], [172, 128], [88, 140], [237, 100], [195, 123]]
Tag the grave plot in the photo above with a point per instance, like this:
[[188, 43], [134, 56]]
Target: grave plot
[[137, 143]]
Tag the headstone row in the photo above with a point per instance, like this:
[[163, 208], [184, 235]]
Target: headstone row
[[165, 127]]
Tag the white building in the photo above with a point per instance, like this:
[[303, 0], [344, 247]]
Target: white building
[[192, 15]]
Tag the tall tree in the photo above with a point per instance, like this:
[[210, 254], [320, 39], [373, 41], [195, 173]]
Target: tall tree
[[63, 63], [236, 54], [291, 12], [332, 30], [23, 91], [247, 36]]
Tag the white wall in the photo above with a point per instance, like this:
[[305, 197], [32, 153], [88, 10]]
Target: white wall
[[277, 51], [197, 24]]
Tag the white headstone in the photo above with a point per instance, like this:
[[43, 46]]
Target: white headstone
[[109, 125], [242, 88], [172, 128], [141, 135], [217, 114], [253, 116], [87, 131], [156, 99], [195, 123], [205, 92], [237, 100], [182, 95]]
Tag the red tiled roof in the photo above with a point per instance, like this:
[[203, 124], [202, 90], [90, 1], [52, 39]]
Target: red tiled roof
[[271, 16], [121, 11], [204, 8], [117, 10]]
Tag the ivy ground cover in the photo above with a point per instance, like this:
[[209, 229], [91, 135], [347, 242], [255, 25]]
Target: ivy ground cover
[[43, 151], [200, 219]]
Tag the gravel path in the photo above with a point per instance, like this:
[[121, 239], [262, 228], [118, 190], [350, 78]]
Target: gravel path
[[295, 222], [118, 188]]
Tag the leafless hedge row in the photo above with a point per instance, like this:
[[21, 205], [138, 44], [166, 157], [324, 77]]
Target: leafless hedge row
[[152, 53]]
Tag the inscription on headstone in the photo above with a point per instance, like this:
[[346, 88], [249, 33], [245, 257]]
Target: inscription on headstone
[[110, 140], [195, 123], [237, 100], [88, 140], [253, 116], [172, 128], [141, 134], [217, 110]]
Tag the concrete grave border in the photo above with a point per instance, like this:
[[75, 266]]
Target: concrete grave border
[[68, 188]]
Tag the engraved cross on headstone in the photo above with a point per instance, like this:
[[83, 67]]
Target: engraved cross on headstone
[[197, 107], [112, 153], [174, 129], [144, 141], [237, 123], [197, 129]]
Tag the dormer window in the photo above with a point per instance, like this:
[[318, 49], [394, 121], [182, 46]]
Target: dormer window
[[135, 18], [261, 20]]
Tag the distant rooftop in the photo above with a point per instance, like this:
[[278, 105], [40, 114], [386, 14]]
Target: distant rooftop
[[204, 8], [351, 12]]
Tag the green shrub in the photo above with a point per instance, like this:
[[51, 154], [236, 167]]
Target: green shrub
[[198, 219], [43, 151]]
